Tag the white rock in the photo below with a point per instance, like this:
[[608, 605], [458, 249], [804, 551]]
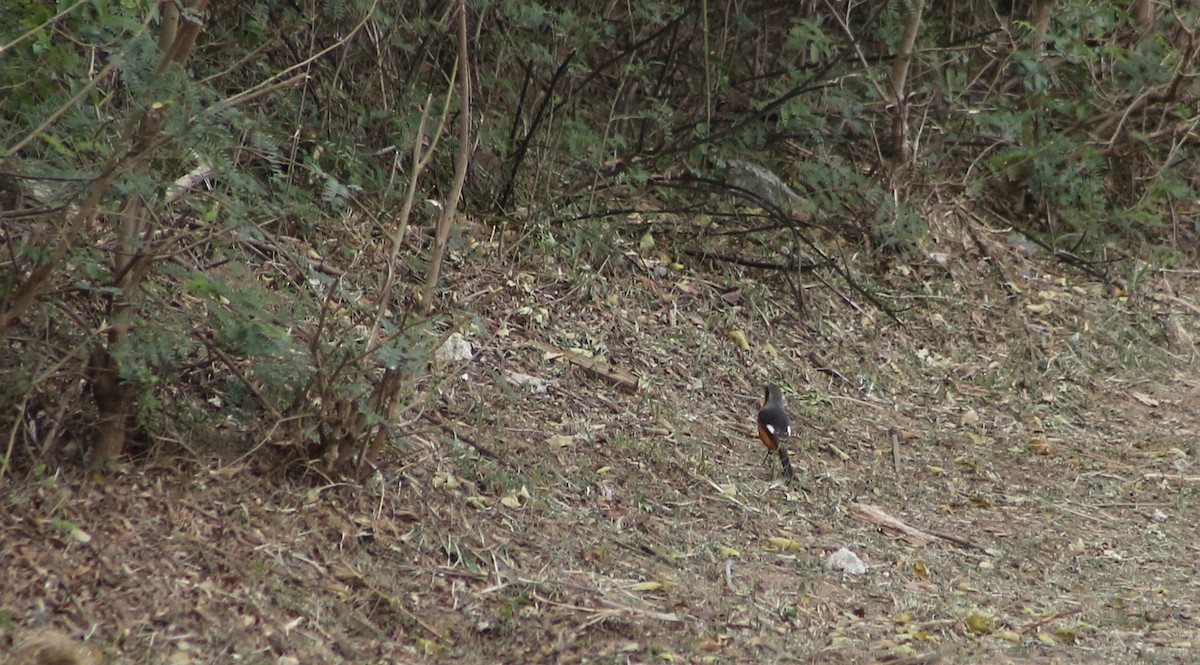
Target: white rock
[[846, 561], [456, 348], [535, 384]]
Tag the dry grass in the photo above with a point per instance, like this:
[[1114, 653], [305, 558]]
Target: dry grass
[[1049, 433]]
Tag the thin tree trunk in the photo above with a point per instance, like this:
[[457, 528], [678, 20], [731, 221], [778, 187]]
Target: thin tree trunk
[[446, 221], [900, 151]]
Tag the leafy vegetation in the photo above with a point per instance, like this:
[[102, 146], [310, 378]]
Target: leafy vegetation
[[207, 210]]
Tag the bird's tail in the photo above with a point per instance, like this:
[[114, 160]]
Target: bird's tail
[[786, 463]]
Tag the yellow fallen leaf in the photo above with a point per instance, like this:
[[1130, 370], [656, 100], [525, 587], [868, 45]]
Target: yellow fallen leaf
[[647, 242], [430, 647], [648, 586], [1066, 634], [979, 622], [447, 480], [561, 440], [516, 499], [920, 570], [970, 417], [739, 338], [728, 551], [780, 544]]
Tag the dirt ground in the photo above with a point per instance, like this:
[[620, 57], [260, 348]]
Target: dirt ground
[[1031, 431]]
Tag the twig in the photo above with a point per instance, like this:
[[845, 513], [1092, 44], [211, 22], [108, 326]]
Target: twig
[[523, 148], [439, 420], [450, 210], [837, 451], [254, 92], [823, 367], [624, 381], [1053, 617], [918, 537], [229, 364], [895, 449]]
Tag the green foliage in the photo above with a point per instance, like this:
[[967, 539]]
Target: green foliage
[[580, 105]]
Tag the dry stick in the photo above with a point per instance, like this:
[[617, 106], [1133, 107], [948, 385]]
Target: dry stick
[[419, 162], [775, 212], [446, 221], [12, 435], [39, 28], [825, 368], [862, 59], [895, 449], [439, 420], [28, 292], [228, 362], [314, 349], [523, 147], [255, 91], [1053, 617], [67, 105], [991, 262]]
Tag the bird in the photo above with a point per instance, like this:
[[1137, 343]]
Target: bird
[[773, 426]]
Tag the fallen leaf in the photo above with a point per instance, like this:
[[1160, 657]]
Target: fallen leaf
[[1040, 447], [739, 338], [780, 544], [728, 489], [979, 622], [649, 586], [561, 440], [1144, 399]]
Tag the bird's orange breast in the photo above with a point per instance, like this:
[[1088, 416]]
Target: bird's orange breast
[[768, 440]]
